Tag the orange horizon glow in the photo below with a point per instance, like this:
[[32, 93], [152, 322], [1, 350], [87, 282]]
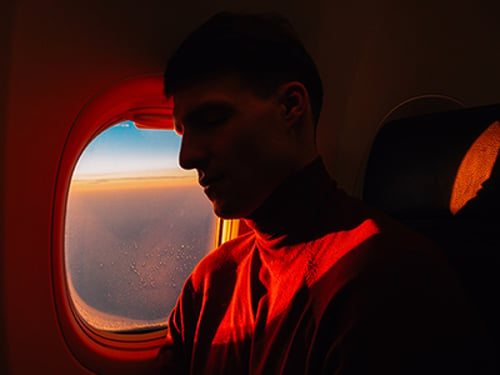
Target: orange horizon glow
[[136, 183]]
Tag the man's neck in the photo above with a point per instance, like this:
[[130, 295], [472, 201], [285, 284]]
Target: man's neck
[[294, 210]]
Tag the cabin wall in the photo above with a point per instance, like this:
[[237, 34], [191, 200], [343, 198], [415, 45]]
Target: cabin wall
[[5, 39], [372, 56]]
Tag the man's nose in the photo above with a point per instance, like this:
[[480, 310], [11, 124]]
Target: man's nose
[[192, 154]]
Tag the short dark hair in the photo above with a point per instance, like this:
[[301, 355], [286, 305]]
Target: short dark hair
[[262, 49]]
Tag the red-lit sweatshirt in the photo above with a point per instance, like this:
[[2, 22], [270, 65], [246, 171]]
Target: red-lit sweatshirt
[[322, 284]]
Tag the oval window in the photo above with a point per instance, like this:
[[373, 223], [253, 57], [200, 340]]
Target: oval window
[[136, 225]]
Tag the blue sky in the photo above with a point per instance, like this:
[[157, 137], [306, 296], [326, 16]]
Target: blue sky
[[126, 151]]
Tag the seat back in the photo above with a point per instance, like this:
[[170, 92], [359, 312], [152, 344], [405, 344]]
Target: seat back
[[439, 174]]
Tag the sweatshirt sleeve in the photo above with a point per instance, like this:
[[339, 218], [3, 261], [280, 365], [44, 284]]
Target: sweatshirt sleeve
[[175, 353]]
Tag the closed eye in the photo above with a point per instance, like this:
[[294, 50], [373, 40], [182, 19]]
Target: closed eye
[[208, 116]]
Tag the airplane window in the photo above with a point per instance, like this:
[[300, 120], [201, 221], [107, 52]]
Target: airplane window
[[136, 225]]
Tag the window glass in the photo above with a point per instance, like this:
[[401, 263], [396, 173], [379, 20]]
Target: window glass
[[136, 226]]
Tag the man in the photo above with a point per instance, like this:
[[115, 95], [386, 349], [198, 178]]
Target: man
[[322, 284]]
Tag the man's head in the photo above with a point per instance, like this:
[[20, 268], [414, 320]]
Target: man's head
[[247, 99]]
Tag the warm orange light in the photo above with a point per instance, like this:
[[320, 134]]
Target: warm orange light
[[476, 167], [133, 183]]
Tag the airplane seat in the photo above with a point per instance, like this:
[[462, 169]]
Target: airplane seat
[[439, 174]]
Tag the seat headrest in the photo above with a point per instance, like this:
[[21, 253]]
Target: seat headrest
[[437, 166]]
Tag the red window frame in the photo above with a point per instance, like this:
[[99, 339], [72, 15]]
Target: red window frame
[[141, 100]]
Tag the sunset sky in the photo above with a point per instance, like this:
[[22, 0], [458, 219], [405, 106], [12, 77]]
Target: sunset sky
[[124, 151], [136, 225]]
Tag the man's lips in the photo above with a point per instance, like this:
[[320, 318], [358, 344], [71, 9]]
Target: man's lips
[[206, 181], [209, 186]]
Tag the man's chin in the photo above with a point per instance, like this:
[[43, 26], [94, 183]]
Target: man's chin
[[226, 215], [228, 211]]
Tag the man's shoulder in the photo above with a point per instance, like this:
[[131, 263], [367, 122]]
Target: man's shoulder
[[224, 260], [367, 241], [384, 255], [361, 223]]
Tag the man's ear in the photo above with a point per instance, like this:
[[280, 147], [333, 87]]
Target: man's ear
[[293, 101]]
